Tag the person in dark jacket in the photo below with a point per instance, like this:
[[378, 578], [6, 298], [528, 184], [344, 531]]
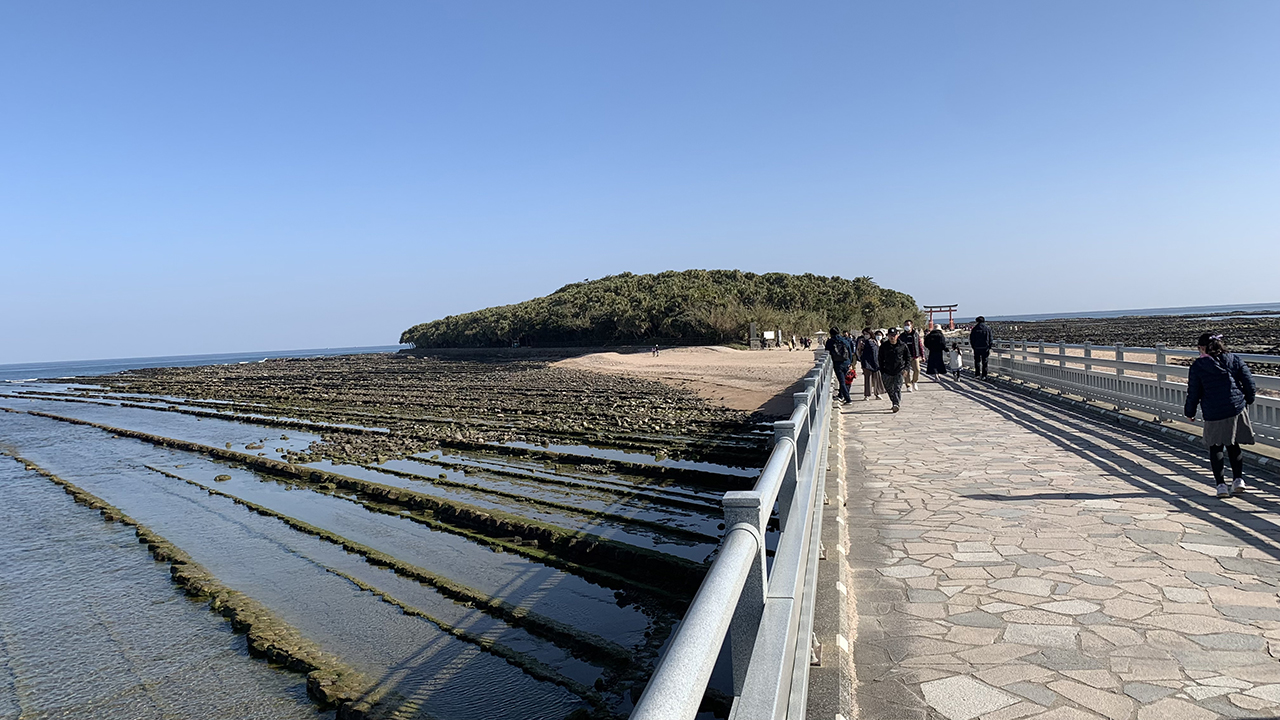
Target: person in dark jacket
[[911, 338], [841, 358], [981, 339], [894, 359], [1220, 384], [868, 354], [936, 343]]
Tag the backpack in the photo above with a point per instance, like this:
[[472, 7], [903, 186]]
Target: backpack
[[839, 351]]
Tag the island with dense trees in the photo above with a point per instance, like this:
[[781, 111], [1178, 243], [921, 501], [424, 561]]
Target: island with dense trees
[[687, 307]]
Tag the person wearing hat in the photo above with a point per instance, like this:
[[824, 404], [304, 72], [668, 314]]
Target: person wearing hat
[[981, 340], [895, 357]]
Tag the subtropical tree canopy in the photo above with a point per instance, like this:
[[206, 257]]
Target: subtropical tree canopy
[[677, 307]]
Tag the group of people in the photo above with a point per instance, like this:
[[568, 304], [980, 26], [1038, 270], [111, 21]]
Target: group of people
[[891, 359], [1219, 384], [803, 342]]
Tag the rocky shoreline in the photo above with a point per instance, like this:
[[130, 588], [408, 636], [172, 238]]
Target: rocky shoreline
[[420, 401], [1243, 332], [479, 428]]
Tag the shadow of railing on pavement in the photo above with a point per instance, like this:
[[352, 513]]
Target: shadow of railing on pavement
[[1085, 438]]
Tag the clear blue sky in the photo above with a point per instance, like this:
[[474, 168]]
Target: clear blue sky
[[205, 177]]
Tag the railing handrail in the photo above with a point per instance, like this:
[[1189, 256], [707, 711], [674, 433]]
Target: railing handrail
[[1160, 389], [1051, 354], [766, 615], [1179, 352]]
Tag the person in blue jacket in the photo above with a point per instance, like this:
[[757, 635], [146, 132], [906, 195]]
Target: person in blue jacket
[[1220, 384]]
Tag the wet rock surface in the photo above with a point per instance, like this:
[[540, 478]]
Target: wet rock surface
[[297, 597], [90, 625], [428, 524], [416, 402]]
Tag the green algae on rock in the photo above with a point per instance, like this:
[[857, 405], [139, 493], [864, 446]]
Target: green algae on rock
[[329, 681]]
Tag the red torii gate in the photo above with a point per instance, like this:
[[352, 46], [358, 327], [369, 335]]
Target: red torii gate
[[950, 309]]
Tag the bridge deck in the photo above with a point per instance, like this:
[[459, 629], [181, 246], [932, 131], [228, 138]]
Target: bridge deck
[[1008, 558]]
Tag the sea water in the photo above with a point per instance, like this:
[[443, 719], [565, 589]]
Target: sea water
[[80, 368]]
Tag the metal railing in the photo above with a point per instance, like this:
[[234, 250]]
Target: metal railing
[[765, 610], [1155, 387]]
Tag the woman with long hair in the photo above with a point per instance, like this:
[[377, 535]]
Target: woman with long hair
[[1221, 385]]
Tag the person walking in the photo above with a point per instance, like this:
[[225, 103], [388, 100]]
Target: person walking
[[841, 359], [981, 340], [957, 360], [1222, 386], [915, 348], [894, 358], [868, 354], [936, 343]]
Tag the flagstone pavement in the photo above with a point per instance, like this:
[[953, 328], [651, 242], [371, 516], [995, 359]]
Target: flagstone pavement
[[1011, 559]]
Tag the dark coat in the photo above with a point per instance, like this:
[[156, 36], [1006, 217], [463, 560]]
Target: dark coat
[[912, 341], [894, 357], [1221, 386], [981, 337], [831, 347], [869, 356], [936, 343]]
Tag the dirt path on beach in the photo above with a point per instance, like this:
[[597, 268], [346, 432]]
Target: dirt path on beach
[[751, 380]]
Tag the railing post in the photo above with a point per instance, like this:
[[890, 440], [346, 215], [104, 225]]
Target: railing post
[[812, 383], [1041, 358], [1161, 361], [742, 508], [1119, 358], [1062, 352], [809, 397], [785, 430], [1088, 353], [801, 399]]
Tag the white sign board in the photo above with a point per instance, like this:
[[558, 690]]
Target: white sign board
[[768, 334]]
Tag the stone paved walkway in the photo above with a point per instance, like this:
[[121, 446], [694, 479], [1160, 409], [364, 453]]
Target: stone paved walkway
[[1011, 559]]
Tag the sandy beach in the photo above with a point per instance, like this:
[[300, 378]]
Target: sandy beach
[[751, 380]]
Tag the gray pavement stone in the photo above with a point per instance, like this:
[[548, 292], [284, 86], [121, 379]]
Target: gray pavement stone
[[1067, 713], [1174, 708], [1061, 636], [1231, 641], [1034, 691], [1146, 693], [963, 698]]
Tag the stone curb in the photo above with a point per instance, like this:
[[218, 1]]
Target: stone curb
[[831, 684]]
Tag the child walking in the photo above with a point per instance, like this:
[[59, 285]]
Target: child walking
[[957, 361]]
